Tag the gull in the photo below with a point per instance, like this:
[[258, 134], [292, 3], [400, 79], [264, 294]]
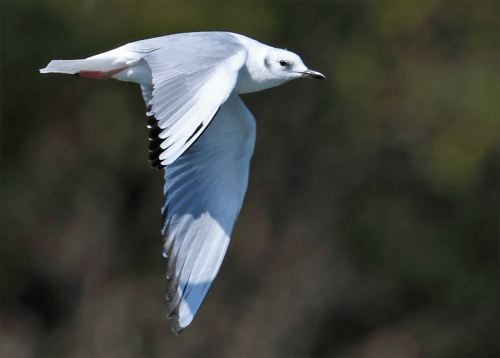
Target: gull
[[201, 134]]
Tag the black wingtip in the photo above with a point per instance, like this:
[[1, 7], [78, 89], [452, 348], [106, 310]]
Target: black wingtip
[[177, 328], [155, 142], [155, 154], [151, 121], [156, 163], [154, 132]]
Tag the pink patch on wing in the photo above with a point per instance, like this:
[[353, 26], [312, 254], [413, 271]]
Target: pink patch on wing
[[99, 74]]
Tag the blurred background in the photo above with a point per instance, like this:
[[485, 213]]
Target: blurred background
[[371, 223]]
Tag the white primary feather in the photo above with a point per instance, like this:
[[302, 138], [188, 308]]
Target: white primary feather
[[204, 191]]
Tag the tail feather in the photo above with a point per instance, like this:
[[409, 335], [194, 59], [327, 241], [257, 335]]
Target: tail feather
[[87, 65], [106, 65], [65, 66], [105, 62]]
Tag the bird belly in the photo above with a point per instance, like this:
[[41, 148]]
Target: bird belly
[[139, 73]]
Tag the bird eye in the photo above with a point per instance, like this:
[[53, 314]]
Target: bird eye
[[283, 63]]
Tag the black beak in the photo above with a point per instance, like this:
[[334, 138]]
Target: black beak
[[313, 74]]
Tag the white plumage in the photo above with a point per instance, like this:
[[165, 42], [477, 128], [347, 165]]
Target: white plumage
[[189, 81]]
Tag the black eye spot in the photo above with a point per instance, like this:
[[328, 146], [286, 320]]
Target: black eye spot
[[283, 63]]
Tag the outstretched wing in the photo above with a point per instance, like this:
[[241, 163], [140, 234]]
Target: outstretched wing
[[204, 190], [193, 75]]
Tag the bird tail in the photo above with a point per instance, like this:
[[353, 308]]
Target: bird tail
[[67, 66], [103, 65]]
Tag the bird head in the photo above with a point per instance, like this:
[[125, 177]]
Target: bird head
[[287, 65]]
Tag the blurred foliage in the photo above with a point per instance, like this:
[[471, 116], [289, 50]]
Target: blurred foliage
[[371, 222]]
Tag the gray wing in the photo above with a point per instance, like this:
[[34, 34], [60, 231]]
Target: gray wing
[[193, 74], [204, 191]]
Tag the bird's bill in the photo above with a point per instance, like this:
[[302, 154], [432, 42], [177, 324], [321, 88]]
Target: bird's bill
[[313, 74]]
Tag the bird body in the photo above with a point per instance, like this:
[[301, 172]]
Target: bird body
[[189, 81]]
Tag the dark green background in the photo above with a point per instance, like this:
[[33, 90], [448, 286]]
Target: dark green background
[[370, 225]]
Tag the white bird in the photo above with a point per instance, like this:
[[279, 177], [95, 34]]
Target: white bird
[[202, 134]]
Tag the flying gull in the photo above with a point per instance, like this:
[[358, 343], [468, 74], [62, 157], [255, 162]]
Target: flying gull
[[201, 134]]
